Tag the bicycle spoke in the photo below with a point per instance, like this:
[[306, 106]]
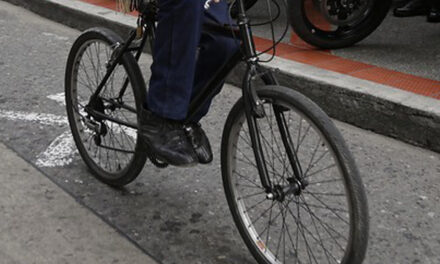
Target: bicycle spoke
[[302, 139], [249, 186], [279, 159], [250, 195], [325, 181], [326, 194], [281, 236], [275, 218], [319, 171], [312, 165], [243, 177], [95, 73], [325, 226], [269, 223], [255, 205], [89, 80], [326, 206], [321, 243], [258, 218]]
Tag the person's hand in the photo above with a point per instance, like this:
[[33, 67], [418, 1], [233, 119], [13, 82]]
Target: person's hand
[[216, 1]]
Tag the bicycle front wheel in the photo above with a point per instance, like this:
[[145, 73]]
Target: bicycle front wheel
[[326, 221], [111, 149]]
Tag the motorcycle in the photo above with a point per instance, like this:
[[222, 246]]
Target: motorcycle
[[333, 24]]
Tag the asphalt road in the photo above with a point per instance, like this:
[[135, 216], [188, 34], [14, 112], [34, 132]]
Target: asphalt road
[[181, 215]]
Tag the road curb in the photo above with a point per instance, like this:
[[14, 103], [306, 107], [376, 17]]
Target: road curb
[[383, 109]]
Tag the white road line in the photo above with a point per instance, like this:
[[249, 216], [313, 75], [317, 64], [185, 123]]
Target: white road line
[[57, 37], [62, 150], [59, 153], [59, 98], [45, 119]]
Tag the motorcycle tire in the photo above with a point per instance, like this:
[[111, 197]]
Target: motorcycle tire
[[342, 37]]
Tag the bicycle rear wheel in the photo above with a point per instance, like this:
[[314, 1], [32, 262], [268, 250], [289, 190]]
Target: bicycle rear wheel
[[111, 150], [327, 221]]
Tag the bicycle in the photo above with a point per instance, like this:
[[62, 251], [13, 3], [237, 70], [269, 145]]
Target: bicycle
[[291, 183]]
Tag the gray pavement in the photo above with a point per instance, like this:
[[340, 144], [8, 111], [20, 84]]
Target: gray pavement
[[41, 223], [181, 215]]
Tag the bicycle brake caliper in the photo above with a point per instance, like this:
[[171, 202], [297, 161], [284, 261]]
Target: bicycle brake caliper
[[256, 103]]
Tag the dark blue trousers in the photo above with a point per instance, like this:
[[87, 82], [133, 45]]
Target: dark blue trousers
[[178, 72]]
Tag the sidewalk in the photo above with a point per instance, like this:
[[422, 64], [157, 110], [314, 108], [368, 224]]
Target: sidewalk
[[40, 223], [356, 85]]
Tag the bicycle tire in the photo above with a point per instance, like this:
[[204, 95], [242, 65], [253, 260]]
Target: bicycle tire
[[235, 178], [331, 40], [134, 158]]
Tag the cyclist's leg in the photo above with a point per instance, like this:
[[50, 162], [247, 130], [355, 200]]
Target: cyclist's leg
[[178, 35], [214, 52]]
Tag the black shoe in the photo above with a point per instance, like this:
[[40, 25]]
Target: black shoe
[[200, 142], [412, 8], [166, 140], [434, 15]]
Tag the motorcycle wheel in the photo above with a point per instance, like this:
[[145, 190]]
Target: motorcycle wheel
[[334, 24]]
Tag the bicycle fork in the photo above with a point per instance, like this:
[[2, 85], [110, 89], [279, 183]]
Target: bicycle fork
[[254, 110]]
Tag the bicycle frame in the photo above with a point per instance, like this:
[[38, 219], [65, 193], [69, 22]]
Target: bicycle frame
[[253, 105]]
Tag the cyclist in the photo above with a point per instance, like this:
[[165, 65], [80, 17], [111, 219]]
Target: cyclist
[[184, 59]]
